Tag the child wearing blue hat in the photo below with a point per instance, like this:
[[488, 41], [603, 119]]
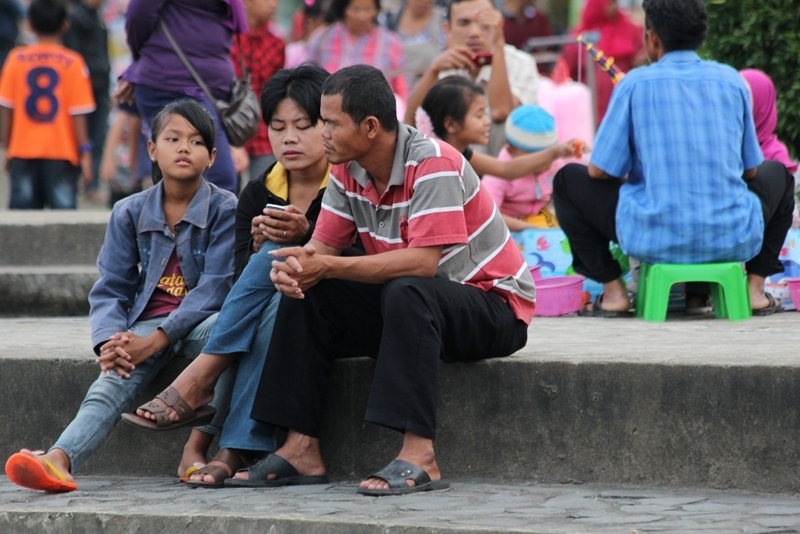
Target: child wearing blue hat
[[526, 202]]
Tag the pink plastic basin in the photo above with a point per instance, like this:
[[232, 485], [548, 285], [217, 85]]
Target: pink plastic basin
[[794, 290], [558, 295]]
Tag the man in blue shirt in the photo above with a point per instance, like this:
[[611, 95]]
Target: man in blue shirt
[[677, 174]]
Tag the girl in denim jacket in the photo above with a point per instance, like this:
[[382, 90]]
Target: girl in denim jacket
[[165, 269]]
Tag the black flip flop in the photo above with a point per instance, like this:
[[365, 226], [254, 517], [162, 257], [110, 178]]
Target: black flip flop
[[397, 474], [772, 307], [285, 475], [598, 311]]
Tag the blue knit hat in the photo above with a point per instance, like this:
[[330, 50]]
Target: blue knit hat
[[531, 129]]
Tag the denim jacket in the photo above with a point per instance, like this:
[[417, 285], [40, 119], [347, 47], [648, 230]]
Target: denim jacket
[[137, 247]]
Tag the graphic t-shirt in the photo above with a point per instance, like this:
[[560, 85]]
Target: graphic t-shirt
[[169, 292], [45, 84]]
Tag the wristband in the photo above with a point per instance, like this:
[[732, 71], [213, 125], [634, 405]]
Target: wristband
[[85, 147]]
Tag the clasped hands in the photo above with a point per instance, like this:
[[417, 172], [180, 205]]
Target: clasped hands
[[296, 269], [125, 350]]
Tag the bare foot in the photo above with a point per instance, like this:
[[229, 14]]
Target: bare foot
[[416, 450], [299, 450]]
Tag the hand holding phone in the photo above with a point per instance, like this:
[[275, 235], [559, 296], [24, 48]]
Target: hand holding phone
[[275, 207]]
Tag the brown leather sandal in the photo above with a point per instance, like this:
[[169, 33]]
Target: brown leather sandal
[[171, 398], [233, 460]]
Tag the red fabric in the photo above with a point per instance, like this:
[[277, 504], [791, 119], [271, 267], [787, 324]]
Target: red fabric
[[264, 55], [619, 38], [169, 292]]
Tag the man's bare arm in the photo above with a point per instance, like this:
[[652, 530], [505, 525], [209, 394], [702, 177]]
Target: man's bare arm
[[749, 174]]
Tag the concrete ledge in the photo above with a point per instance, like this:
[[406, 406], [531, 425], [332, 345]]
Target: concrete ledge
[[685, 403], [47, 290], [51, 237]]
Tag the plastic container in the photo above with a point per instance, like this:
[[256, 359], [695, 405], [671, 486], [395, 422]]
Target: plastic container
[[559, 295], [536, 272], [794, 289]]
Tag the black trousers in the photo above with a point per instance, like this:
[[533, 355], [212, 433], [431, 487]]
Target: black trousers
[[586, 209], [408, 325]]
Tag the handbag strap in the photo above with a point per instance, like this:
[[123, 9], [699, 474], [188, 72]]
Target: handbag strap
[[186, 62]]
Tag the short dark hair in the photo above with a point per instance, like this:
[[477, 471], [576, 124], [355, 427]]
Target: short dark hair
[[195, 114], [337, 8], [450, 5], [302, 84], [365, 92], [679, 24], [449, 97], [47, 17]]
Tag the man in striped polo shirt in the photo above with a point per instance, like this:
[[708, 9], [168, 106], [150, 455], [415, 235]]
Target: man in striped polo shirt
[[441, 279]]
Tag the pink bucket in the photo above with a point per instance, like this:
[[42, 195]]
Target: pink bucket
[[559, 295], [794, 290], [536, 272]]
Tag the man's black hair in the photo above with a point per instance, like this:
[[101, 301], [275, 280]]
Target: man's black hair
[[680, 24], [365, 92], [47, 17], [302, 84], [338, 7], [448, 9]]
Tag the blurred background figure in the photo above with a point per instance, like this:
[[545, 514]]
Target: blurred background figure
[[11, 13], [263, 54], [524, 20], [304, 23], [620, 39], [419, 25], [353, 37], [88, 36]]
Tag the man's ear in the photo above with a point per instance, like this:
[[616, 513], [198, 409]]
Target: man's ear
[[372, 126]]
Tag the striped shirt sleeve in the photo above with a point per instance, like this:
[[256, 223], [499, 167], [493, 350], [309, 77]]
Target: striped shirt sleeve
[[436, 213], [336, 225]]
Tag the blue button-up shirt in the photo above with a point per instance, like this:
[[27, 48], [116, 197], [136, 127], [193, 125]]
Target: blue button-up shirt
[[683, 133], [137, 247]]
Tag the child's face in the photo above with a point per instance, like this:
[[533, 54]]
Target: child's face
[[261, 11], [296, 141], [475, 128], [180, 150]]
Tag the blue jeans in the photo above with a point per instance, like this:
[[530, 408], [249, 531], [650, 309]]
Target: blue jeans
[[110, 396], [36, 183], [239, 431], [244, 327], [150, 101]]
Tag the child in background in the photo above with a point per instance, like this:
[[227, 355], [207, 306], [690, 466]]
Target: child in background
[[526, 203], [119, 167], [165, 269], [45, 94], [454, 110], [263, 55], [88, 36]]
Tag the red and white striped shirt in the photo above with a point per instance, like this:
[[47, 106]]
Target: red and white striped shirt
[[433, 198]]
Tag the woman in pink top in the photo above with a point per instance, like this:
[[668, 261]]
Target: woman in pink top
[[353, 37], [765, 115]]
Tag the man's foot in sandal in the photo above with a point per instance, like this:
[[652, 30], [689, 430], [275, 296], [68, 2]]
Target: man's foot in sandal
[[414, 470], [38, 471], [766, 305], [297, 463], [222, 467], [600, 308], [195, 453], [168, 411]]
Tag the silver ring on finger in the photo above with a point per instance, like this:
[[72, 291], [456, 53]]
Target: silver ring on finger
[[284, 234]]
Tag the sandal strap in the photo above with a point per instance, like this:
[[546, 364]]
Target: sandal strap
[[397, 473], [272, 465]]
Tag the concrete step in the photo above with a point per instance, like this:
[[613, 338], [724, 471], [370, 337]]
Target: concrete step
[[46, 290], [51, 237], [47, 261], [687, 403], [156, 506]]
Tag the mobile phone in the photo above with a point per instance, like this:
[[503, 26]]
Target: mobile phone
[[482, 59], [275, 207]]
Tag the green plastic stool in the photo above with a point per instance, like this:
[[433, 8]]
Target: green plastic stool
[[728, 288]]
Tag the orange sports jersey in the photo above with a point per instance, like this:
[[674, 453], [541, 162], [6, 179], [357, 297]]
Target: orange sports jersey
[[45, 84]]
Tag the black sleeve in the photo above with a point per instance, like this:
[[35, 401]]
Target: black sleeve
[[251, 203]]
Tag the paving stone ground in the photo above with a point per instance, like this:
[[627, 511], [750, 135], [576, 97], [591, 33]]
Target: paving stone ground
[[465, 507]]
